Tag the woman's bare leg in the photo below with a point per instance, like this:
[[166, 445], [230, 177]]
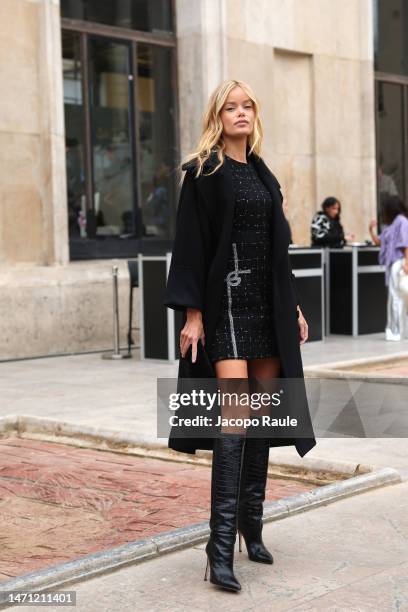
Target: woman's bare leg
[[268, 369], [231, 368], [227, 372]]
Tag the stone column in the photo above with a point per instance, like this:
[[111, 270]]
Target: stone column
[[202, 62], [33, 214]]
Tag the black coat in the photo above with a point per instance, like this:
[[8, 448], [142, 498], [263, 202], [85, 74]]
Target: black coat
[[196, 276]]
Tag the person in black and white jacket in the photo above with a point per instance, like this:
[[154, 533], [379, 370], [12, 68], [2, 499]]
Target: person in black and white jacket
[[326, 229]]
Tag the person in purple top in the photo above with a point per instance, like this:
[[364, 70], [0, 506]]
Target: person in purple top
[[393, 241]]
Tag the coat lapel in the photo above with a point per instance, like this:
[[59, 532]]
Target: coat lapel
[[280, 227]]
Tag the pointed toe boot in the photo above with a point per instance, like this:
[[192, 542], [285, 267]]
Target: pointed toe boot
[[252, 495]]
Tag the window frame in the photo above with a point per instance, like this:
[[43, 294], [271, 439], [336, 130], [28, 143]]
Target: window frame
[[94, 248]]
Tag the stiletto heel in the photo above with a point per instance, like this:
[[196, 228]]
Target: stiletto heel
[[239, 541], [206, 568]]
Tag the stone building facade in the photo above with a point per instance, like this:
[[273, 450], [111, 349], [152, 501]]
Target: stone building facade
[[311, 63]]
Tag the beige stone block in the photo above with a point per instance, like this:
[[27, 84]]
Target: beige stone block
[[338, 108], [59, 253], [32, 172], [291, 100], [366, 30], [202, 62], [19, 45], [328, 28], [214, 44], [251, 63], [53, 189], [21, 212], [350, 180], [192, 102], [236, 19], [296, 175], [188, 17], [62, 309], [33, 214], [367, 101], [21, 225], [306, 26], [50, 79]]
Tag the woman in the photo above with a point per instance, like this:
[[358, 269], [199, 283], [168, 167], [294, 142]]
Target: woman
[[326, 229], [230, 276], [394, 256]]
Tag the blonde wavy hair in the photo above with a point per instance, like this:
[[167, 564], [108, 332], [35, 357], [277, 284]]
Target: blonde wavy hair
[[211, 138]]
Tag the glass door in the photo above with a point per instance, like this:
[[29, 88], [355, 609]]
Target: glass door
[[120, 93], [111, 126], [392, 138]]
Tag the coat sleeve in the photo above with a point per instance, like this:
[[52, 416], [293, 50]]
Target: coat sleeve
[[186, 280], [292, 276], [293, 280]]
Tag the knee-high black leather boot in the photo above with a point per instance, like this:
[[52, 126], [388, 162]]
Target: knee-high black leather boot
[[251, 498], [225, 479]]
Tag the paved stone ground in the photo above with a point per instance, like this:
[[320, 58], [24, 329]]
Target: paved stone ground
[[351, 556], [59, 502], [397, 369], [122, 395]]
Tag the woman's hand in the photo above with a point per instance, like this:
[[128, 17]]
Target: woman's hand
[[303, 327], [192, 331]]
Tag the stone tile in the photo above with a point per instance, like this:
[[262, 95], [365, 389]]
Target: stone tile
[[348, 556], [61, 502]]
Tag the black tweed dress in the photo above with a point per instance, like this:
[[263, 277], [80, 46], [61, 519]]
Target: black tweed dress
[[245, 326]]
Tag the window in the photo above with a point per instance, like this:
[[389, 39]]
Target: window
[[156, 138], [74, 133], [390, 36], [390, 153], [145, 15], [391, 97], [120, 123]]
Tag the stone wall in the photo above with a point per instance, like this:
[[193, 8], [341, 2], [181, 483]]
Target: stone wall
[[48, 305], [311, 64], [54, 310], [33, 211]]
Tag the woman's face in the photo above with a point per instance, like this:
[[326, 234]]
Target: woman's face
[[238, 114], [333, 211]]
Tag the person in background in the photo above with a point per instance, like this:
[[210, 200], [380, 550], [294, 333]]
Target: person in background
[[393, 241], [326, 229]]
